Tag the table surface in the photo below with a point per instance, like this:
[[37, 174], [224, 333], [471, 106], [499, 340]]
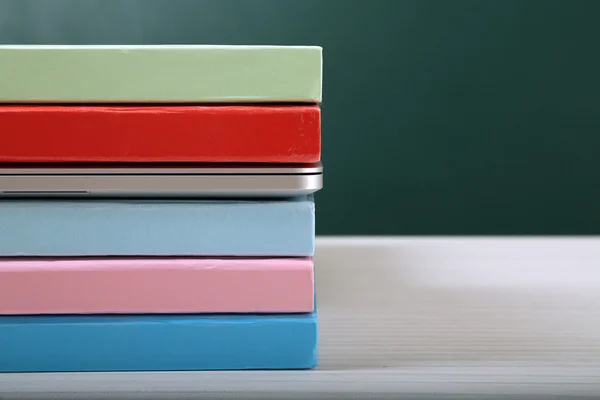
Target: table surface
[[414, 317]]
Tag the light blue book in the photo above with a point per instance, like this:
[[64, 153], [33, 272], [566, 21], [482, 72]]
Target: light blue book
[[157, 228]]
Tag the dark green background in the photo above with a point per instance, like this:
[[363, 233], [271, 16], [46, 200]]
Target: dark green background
[[439, 117]]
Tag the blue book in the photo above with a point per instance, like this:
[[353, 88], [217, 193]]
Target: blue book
[[157, 342]]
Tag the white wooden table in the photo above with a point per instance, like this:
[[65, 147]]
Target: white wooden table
[[413, 318]]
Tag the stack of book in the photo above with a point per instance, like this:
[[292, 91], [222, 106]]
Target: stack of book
[[156, 208]]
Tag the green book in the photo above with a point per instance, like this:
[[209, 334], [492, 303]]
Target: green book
[[160, 74]]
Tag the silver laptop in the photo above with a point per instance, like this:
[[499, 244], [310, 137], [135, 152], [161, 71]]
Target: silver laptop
[[160, 180]]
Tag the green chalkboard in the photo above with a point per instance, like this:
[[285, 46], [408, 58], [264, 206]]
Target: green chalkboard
[[439, 117]]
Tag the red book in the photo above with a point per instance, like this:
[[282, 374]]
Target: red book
[[290, 134]]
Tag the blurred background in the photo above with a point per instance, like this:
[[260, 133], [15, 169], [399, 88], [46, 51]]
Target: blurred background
[[440, 117]]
